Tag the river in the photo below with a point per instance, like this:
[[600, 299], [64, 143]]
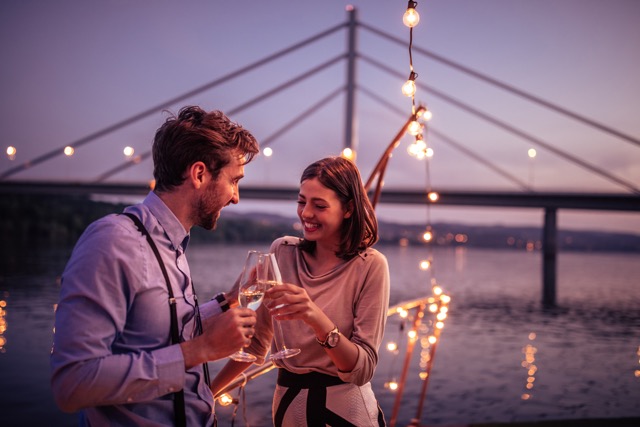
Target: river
[[586, 351]]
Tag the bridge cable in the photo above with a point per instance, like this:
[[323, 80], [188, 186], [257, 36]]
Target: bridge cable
[[264, 143], [153, 110], [450, 141], [512, 129], [507, 87]]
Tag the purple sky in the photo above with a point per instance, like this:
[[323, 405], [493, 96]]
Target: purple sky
[[71, 68]]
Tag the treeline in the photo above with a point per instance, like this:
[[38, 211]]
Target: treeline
[[46, 219]]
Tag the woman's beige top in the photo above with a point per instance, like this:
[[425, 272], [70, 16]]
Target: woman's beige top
[[354, 295]]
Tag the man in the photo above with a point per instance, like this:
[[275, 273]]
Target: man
[[121, 354]]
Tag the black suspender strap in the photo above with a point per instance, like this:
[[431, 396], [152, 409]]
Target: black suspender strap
[[178, 400]]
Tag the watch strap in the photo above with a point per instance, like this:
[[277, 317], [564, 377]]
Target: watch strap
[[222, 301], [325, 343]]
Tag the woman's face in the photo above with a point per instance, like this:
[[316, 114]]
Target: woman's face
[[320, 212]]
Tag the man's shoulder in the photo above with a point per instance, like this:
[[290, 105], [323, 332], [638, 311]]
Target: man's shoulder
[[110, 227]]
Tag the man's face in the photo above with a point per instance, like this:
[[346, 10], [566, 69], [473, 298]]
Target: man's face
[[219, 193]]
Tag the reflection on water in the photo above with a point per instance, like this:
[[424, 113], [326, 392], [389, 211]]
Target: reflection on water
[[579, 360], [3, 322], [528, 363]]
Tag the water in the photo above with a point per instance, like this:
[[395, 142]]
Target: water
[[586, 349]]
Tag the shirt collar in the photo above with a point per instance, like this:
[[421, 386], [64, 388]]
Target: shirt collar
[[173, 228]]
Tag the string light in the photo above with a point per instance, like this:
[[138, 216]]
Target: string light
[[268, 152], [128, 151], [11, 152], [409, 87], [411, 17], [69, 150], [347, 153], [226, 400]]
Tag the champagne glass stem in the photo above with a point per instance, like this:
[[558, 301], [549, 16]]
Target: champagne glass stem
[[281, 335]]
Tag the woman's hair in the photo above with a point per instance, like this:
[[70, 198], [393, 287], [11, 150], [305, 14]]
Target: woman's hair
[[196, 135], [360, 230]]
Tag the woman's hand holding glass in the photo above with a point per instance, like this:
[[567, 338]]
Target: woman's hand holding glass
[[275, 292]]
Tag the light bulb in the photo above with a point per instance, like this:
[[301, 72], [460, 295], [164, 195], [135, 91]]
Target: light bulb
[[348, 153], [409, 88], [268, 152], [128, 151], [414, 128], [225, 400], [68, 151], [411, 17]]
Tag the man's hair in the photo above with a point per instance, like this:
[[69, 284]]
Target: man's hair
[[196, 135], [360, 230]]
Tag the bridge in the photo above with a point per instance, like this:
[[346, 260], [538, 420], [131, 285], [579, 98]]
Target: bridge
[[625, 198]]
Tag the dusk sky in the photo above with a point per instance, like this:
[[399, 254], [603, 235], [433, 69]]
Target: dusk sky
[[72, 68]]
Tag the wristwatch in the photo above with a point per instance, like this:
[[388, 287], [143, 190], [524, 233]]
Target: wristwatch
[[332, 339]]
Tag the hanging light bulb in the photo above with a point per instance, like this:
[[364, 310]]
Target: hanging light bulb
[[68, 151], [409, 87], [411, 17], [268, 152], [414, 127], [128, 151]]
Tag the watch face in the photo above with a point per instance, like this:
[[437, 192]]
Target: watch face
[[333, 339]]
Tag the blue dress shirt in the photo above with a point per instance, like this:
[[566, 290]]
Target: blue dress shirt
[[112, 356]]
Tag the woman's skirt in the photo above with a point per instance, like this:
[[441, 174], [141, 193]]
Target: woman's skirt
[[316, 399]]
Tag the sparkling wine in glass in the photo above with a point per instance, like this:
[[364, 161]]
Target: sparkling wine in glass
[[274, 279], [250, 293]]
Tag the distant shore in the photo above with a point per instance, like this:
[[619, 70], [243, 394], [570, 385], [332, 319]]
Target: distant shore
[[27, 219]]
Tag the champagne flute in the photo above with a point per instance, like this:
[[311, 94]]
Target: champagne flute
[[250, 293], [274, 279]]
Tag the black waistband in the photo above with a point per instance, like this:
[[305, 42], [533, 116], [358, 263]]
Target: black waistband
[[310, 380]]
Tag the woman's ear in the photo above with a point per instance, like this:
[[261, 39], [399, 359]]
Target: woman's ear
[[349, 211]]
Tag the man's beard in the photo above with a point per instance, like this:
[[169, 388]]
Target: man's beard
[[207, 217]]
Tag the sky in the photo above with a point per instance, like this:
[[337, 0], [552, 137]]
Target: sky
[[71, 68]]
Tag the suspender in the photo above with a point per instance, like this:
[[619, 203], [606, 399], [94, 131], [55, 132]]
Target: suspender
[[178, 401]]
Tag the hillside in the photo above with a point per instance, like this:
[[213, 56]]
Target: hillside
[[29, 219]]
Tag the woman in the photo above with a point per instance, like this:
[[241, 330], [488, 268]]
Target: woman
[[332, 305]]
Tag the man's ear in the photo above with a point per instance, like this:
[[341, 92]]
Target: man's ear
[[196, 174]]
